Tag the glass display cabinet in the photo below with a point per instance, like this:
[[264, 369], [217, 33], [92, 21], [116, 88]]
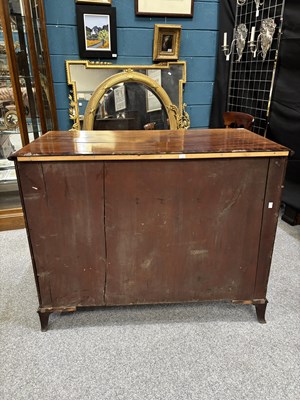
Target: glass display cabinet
[[27, 102]]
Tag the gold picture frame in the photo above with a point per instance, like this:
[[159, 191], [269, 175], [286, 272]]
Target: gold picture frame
[[104, 2], [166, 42]]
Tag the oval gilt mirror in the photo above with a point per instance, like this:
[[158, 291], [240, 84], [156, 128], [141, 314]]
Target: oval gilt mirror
[[134, 98]]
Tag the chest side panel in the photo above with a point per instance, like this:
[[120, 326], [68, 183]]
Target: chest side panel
[[270, 217]]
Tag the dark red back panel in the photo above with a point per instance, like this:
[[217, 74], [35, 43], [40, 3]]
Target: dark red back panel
[[183, 230], [64, 208]]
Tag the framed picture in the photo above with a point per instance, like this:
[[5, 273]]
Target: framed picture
[[152, 102], [97, 32], [108, 2], [166, 42], [165, 8], [120, 97]]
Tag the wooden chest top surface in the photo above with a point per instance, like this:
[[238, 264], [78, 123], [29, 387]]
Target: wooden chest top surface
[[175, 144]]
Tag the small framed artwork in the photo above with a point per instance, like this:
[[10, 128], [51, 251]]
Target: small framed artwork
[[97, 31], [120, 97], [165, 8], [107, 2], [152, 102], [166, 42]]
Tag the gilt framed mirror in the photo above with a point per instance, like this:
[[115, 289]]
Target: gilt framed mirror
[[111, 91]]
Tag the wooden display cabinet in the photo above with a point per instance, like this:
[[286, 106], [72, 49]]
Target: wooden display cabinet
[[27, 105]]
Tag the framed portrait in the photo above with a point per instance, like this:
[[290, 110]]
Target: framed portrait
[[107, 2], [166, 42], [165, 8], [97, 31]]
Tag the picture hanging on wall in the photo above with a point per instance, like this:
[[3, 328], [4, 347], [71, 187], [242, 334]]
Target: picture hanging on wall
[[97, 31], [165, 8], [108, 2], [166, 42]]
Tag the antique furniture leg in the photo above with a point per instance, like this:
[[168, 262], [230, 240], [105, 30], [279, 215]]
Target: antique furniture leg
[[260, 312], [44, 319]]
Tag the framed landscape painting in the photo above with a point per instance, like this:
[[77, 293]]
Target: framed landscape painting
[[97, 32]]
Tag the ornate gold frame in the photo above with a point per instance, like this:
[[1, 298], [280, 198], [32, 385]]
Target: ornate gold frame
[[161, 31], [178, 117], [128, 76]]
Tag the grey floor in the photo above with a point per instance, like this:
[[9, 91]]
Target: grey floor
[[199, 351]]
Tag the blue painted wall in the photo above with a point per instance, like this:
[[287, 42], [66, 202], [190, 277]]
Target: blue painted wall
[[135, 37]]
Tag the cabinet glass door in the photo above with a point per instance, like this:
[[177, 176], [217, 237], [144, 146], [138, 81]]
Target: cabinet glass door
[[27, 106], [10, 135]]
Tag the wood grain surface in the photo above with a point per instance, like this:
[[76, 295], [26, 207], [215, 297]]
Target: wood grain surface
[[159, 143], [64, 210], [183, 230]]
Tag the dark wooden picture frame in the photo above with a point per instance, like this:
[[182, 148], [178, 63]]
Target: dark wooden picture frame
[[164, 8], [104, 2], [97, 31]]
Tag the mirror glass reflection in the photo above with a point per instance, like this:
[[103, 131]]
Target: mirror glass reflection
[[130, 106]]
